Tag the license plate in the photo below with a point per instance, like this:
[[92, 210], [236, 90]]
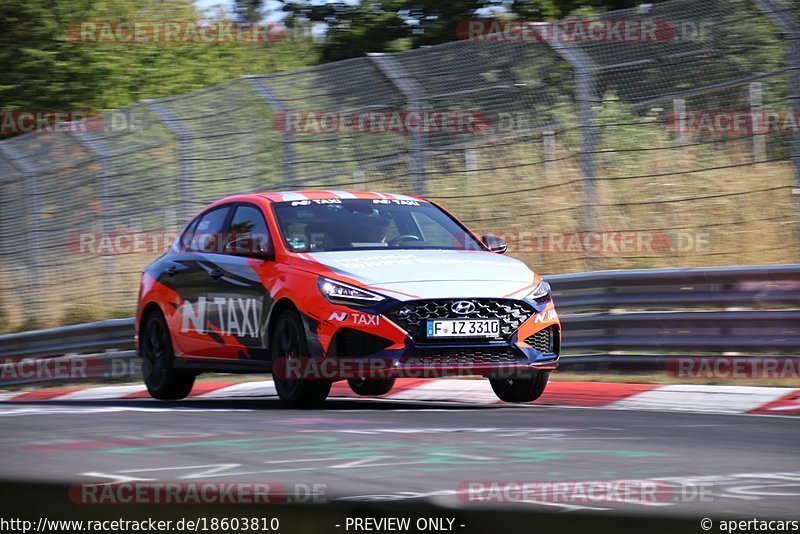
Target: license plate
[[464, 328]]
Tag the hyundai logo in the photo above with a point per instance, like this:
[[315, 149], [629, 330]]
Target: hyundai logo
[[462, 307]]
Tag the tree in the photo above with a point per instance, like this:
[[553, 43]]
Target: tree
[[353, 29], [248, 10], [45, 68]]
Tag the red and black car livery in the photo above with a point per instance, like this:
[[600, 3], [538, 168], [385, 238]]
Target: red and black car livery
[[318, 286]]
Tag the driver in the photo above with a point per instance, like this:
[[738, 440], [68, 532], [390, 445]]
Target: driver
[[375, 227]]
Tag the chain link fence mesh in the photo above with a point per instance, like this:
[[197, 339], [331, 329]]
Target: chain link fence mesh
[[574, 137]]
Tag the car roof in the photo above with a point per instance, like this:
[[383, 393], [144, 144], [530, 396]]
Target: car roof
[[310, 194], [317, 194]]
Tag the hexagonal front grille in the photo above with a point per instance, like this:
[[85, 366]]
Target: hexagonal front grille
[[543, 340], [412, 316], [461, 356]]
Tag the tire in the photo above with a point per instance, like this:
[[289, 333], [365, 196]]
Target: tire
[[520, 389], [163, 381], [289, 341], [371, 387]]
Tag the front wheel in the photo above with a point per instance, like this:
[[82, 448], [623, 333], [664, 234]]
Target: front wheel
[[289, 341], [163, 381], [371, 387], [520, 389]]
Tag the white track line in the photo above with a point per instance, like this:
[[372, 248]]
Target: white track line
[[261, 388], [730, 400], [105, 392], [700, 398], [460, 391]]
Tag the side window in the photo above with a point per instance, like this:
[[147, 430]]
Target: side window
[[185, 239], [207, 233], [248, 222]]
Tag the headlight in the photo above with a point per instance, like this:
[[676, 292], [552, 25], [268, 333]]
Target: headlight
[[540, 293], [341, 293]]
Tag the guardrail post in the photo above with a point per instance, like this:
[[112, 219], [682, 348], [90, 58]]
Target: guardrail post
[[586, 96], [780, 16], [269, 97], [414, 99], [186, 165]]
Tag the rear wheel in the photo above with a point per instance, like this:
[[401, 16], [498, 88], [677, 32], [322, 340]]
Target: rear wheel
[[371, 387], [163, 381], [520, 389], [289, 341]]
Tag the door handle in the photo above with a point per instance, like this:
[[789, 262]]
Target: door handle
[[216, 274]]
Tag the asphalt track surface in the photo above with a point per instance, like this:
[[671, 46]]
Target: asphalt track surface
[[371, 450]]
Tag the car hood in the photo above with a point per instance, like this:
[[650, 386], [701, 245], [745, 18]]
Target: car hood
[[410, 274]]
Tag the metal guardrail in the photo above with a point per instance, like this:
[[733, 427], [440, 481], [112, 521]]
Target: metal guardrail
[[114, 334], [750, 287], [751, 310]]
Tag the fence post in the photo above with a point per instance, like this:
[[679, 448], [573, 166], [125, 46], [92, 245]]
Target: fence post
[[358, 178], [793, 72], [185, 163], [757, 121], [34, 209], [106, 206], [586, 91], [680, 121], [471, 162], [269, 97], [414, 96], [550, 156], [586, 96], [790, 29]]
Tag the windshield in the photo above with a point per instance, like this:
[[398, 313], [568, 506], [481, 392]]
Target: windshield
[[361, 224]]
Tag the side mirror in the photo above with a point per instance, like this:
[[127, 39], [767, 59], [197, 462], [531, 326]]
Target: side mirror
[[250, 246], [495, 244]]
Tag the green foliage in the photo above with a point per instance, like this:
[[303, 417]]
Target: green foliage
[[44, 68], [353, 29]]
